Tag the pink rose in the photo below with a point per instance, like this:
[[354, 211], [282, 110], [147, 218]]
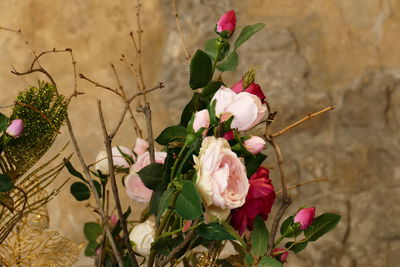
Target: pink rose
[[246, 108], [255, 144], [227, 23], [253, 88], [15, 128], [221, 176], [201, 120], [141, 146], [259, 201], [280, 255], [305, 217], [135, 188]]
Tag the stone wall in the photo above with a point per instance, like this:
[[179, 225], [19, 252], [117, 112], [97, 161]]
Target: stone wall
[[311, 54]]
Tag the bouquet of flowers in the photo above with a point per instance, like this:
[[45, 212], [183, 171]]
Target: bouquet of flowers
[[208, 195]]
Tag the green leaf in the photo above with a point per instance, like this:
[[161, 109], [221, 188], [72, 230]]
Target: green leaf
[[298, 247], [234, 233], [90, 249], [98, 188], [151, 176], [230, 63], [80, 191], [211, 88], [248, 32], [269, 262], [321, 225], [248, 259], [172, 134], [92, 230], [166, 245], [259, 237], [213, 231], [118, 227], [7, 201], [200, 70], [194, 105], [253, 162], [188, 203], [6, 183], [211, 49], [72, 170], [155, 201], [288, 228], [3, 122], [164, 202]]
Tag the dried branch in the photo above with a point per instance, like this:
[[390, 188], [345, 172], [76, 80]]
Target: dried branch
[[107, 142], [97, 84], [147, 112], [180, 29], [306, 118], [304, 183]]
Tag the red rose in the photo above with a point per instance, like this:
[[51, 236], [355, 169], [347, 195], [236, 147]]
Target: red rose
[[253, 88], [259, 201]]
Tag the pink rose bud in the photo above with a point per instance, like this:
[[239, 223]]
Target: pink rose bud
[[113, 219], [201, 120], [305, 217], [253, 88], [255, 144], [98, 252], [186, 226], [15, 128], [229, 135], [227, 23], [282, 257]]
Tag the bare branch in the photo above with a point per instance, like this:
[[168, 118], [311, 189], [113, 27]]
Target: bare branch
[[97, 84], [180, 29], [304, 183]]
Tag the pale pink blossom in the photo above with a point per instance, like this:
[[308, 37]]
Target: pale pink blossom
[[118, 159], [141, 146], [254, 144], [201, 120], [15, 128]]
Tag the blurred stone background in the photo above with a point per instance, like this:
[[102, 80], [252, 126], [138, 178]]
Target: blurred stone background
[[311, 54]]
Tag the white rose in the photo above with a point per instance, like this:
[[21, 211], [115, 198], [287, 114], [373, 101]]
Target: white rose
[[118, 159], [143, 235]]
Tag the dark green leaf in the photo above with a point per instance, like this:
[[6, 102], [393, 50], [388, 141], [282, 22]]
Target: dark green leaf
[[194, 105], [200, 70], [172, 134], [155, 201], [6, 184], [253, 162], [80, 191], [321, 225], [92, 230], [188, 203], [165, 202], [269, 262], [166, 245], [98, 188], [168, 163], [230, 63], [213, 231], [90, 249], [247, 32], [117, 227], [234, 233], [151, 176], [259, 237], [72, 170], [187, 159], [288, 228], [296, 248], [211, 88], [7, 201], [211, 49], [3, 122]]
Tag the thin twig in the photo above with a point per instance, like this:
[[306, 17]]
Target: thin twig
[[107, 142], [180, 29], [97, 84], [304, 183], [308, 117], [147, 113]]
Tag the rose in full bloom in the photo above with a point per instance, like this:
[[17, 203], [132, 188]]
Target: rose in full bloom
[[118, 159], [227, 23], [246, 108], [201, 120], [142, 235], [135, 188], [259, 201], [15, 128], [305, 217], [282, 257], [221, 177], [253, 88], [254, 144]]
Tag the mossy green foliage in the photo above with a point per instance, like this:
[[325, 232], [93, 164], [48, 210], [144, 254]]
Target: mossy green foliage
[[43, 113]]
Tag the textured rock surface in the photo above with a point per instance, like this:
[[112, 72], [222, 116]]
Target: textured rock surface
[[311, 54]]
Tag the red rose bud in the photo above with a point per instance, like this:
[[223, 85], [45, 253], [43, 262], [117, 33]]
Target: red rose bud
[[254, 144], [259, 201], [281, 256], [305, 217], [227, 23], [229, 135], [253, 88], [15, 128]]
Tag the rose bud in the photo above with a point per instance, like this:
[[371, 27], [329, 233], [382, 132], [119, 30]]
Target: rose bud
[[253, 89], [15, 128], [259, 201], [280, 255], [305, 217], [118, 159], [142, 235], [201, 120], [229, 135], [255, 144], [227, 23]]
